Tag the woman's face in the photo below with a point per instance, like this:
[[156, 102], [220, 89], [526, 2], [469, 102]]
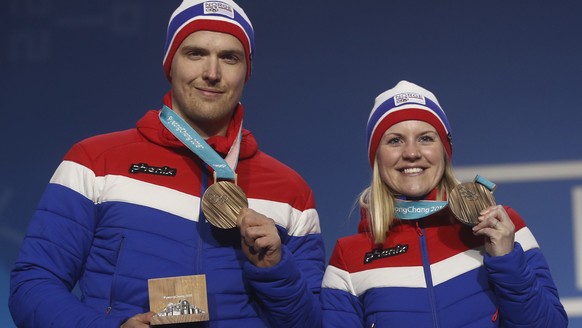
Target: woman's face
[[411, 158]]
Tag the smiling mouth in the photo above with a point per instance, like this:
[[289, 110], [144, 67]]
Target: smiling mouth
[[210, 91], [412, 170]]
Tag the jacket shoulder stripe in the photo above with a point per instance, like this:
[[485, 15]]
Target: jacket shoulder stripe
[[117, 188], [298, 223], [76, 177], [407, 276], [526, 239], [410, 276], [456, 265], [336, 278]]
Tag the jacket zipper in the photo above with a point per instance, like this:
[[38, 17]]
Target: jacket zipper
[[203, 224], [110, 307], [427, 274]]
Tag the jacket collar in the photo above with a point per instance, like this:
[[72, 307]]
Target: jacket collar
[[152, 129]]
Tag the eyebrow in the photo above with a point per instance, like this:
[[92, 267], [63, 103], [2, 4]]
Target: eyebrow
[[232, 52], [187, 48]]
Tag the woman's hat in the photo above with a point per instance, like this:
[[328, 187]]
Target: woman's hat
[[406, 101]]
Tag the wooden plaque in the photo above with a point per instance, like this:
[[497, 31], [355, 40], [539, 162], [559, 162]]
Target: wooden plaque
[[178, 299]]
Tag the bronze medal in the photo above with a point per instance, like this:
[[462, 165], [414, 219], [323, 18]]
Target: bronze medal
[[222, 202], [468, 199]]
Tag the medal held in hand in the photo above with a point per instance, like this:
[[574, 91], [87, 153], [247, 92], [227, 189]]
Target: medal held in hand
[[222, 202], [468, 199]]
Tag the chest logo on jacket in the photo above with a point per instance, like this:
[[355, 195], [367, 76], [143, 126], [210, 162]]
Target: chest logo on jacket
[[379, 253], [145, 168]]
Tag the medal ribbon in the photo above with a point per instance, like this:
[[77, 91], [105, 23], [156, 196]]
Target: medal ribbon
[[224, 168], [413, 210]]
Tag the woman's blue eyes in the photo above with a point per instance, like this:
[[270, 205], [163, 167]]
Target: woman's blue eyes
[[426, 138], [422, 139]]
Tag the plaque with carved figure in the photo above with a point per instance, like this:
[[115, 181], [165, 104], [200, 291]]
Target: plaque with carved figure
[[178, 299]]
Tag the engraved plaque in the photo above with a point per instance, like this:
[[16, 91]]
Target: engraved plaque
[[178, 299]]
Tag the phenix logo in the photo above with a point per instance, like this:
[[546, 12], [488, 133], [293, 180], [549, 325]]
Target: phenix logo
[[145, 168], [382, 253]]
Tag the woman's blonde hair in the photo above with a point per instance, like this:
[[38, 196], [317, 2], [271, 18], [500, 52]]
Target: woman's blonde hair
[[378, 200]]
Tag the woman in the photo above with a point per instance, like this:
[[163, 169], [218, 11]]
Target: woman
[[432, 270]]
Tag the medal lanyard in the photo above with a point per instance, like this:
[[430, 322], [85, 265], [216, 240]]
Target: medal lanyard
[[413, 210], [224, 168]]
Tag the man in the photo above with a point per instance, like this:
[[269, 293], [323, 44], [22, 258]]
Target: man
[[125, 207]]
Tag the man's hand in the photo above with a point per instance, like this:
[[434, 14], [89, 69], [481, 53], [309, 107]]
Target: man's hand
[[260, 240], [141, 320]]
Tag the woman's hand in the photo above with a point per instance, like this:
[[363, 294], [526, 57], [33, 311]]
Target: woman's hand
[[498, 230]]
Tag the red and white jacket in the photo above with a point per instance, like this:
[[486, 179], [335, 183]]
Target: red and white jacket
[[433, 272], [124, 207]]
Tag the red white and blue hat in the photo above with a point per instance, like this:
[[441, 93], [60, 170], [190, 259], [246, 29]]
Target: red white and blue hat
[[219, 16], [406, 101]]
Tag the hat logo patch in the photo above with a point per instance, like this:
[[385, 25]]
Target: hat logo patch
[[217, 7], [406, 97]]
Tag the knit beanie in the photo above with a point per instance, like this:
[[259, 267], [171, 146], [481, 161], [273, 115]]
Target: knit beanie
[[218, 16], [406, 101]]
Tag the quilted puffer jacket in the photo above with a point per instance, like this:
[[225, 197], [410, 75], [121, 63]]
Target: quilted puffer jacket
[[124, 207], [433, 272]]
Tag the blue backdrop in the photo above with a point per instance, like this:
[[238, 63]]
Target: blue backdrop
[[508, 74]]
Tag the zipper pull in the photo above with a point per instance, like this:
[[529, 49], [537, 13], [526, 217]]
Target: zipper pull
[[108, 310], [419, 230], [495, 315]]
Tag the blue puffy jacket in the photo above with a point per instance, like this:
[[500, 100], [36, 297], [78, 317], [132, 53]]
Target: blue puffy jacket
[[124, 207], [434, 272]]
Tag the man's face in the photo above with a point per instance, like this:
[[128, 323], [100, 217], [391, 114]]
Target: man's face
[[208, 76]]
